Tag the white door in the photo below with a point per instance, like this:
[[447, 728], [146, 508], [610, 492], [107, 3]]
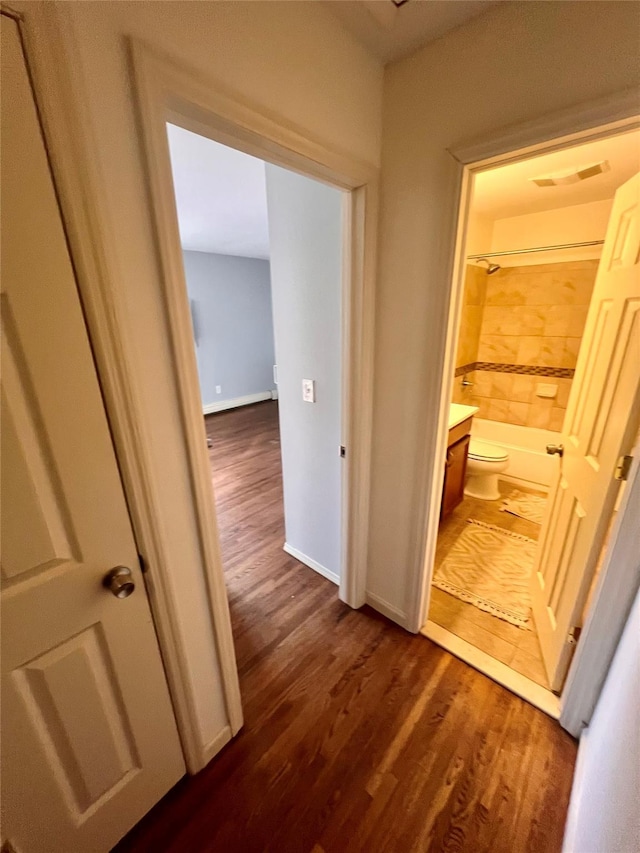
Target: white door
[[600, 426], [89, 740]]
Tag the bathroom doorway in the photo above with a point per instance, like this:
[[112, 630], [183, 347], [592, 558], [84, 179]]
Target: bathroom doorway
[[544, 354]]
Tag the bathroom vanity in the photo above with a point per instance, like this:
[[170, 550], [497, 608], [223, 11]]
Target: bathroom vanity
[[460, 418]]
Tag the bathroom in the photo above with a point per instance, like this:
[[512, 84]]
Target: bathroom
[[535, 234]]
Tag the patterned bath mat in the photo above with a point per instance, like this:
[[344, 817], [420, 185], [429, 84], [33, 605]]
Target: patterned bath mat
[[491, 569], [526, 506]]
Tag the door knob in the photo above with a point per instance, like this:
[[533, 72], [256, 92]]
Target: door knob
[[119, 581], [555, 448]]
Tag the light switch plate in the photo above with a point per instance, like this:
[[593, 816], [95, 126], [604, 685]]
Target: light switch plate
[[309, 390]]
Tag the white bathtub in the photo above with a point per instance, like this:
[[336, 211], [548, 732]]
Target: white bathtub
[[526, 446]]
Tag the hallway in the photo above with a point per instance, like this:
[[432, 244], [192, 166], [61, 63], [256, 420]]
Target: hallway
[[358, 735]]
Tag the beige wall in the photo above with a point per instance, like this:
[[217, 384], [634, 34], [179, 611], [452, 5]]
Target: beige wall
[[292, 61], [533, 316], [577, 223], [514, 64]]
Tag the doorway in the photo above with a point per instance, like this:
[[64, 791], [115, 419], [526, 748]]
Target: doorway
[[513, 564], [262, 251]]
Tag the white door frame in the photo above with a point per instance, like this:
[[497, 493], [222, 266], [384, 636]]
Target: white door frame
[[168, 90], [586, 122]]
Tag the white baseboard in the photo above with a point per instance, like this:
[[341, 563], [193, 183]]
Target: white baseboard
[[388, 610], [575, 801], [517, 481], [236, 402], [523, 687], [313, 564]]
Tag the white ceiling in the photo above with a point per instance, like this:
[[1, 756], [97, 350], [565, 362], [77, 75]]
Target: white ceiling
[[508, 190], [221, 196], [390, 32]]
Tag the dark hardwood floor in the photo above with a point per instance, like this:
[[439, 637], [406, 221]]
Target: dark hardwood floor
[[358, 736]]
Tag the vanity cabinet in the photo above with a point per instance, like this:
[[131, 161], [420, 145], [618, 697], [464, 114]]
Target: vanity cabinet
[[455, 467]]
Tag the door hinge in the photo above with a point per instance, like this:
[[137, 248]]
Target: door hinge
[[343, 451], [623, 467], [574, 635]]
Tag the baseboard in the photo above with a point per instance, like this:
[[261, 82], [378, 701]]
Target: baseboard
[[523, 687], [388, 610], [313, 564], [236, 402], [575, 801]]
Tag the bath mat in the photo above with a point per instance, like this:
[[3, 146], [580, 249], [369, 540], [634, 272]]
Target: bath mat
[[491, 569], [526, 506]]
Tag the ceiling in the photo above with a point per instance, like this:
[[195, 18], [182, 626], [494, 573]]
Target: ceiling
[[390, 32], [509, 191], [221, 196]]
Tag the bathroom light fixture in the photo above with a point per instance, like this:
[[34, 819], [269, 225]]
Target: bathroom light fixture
[[572, 176]]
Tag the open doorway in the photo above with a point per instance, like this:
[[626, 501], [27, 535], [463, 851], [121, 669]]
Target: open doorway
[[263, 266], [545, 369]]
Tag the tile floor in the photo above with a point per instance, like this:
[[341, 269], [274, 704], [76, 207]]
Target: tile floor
[[514, 646]]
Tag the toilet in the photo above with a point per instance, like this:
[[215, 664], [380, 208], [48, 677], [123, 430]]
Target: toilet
[[484, 462]]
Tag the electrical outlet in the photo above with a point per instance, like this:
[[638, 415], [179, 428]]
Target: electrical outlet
[[218, 389], [309, 390]]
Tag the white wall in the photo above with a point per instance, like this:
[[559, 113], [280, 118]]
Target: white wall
[[232, 324], [290, 60], [517, 62], [604, 813], [305, 235], [578, 223]]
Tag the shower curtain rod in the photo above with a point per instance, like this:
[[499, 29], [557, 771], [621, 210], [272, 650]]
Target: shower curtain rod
[[537, 249]]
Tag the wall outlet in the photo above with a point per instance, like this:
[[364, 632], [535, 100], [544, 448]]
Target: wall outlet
[[218, 389], [309, 390]]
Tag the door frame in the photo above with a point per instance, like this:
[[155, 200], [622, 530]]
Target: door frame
[[583, 123], [162, 83], [168, 92]]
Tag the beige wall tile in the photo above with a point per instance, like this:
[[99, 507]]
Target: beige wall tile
[[501, 291], [518, 413], [482, 382], [522, 388], [565, 320], [499, 348], [564, 389], [529, 349], [556, 418], [497, 410], [540, 413], [501, 386], [570, 352]]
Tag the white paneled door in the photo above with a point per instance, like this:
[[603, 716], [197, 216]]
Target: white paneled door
[[600, 427], [89, 740]]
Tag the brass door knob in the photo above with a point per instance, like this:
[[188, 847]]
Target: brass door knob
[[119, 581], [555, 448]]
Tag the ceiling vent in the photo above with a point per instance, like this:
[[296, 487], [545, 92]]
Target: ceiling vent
[[572, 176]]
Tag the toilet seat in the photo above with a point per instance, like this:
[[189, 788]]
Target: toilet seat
[[484, 452]]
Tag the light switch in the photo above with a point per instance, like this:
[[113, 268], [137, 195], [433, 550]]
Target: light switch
[[309, 390]]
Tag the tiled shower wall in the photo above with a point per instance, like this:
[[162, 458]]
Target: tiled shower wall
[[530, 324]]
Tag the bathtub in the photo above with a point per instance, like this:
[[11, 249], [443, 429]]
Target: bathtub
[[529, 462]]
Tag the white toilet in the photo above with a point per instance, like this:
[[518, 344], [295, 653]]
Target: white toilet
[[484, 462]]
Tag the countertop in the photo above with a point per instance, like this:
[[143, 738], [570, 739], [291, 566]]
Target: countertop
[[459, 413]]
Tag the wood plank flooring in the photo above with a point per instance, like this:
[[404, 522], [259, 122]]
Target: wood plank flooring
[[509, 644], [358, 736]]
